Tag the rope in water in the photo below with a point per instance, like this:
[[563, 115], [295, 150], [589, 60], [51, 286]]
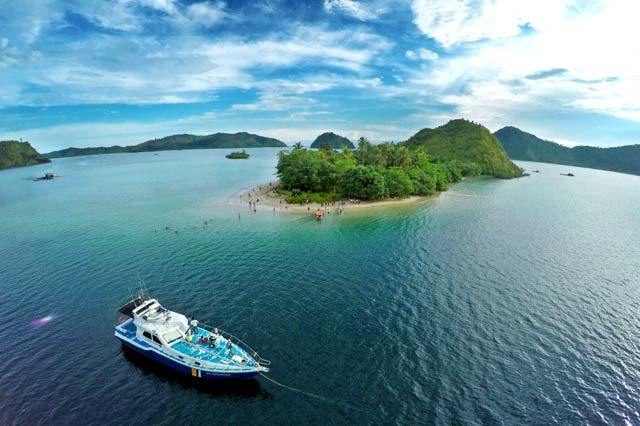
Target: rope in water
[[313, 395]]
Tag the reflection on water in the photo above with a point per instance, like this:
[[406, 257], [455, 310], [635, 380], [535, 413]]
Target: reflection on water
[[502, 301]]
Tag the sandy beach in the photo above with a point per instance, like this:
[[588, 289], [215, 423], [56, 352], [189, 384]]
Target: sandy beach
[[265, 197]]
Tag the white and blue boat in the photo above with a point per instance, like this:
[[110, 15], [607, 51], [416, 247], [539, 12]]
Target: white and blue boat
[[184, 345]]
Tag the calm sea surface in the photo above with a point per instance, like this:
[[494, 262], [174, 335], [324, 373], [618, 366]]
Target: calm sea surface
[[499, 302]]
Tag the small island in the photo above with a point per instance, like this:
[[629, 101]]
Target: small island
[[427, 163], [19, 154], [238, 155], [333, 141]]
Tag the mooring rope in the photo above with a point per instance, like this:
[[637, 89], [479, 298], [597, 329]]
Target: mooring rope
[[313, 395]]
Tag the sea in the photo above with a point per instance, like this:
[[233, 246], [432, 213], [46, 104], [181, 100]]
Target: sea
[[497, 302]]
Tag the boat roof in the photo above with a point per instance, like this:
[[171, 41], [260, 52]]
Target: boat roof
[[128, 308]]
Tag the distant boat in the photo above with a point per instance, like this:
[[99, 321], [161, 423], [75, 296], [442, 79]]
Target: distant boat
[[184, 346], [47, 176], [567, 174]]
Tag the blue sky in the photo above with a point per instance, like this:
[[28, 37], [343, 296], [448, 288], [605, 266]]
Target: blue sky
[[89, 73]]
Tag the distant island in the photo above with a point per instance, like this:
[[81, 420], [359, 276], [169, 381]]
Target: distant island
[[19, 154], [525, 146], [331, 140], [238, 155], [176, 142], [423, 165]]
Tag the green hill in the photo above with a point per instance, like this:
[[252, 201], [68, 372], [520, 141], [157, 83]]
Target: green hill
[[175, 142], [332, 140], [19, 154], [466, 141], [525, 146]]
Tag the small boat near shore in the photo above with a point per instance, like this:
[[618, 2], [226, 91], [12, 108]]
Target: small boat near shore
[[47, 176], [183, 345]]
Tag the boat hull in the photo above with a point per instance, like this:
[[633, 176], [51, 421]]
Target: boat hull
[[197, 374]]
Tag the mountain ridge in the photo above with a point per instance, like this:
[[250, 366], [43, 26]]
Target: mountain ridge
[[521, 145], [178, 142]]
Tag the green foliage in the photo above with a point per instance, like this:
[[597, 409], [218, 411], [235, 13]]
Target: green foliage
[[465, 141], [364, 182], [371, 172], [525, 146], [425, 164], [424, 182], [294, 197], [176, 142], [238, 155], [18, 154], [398, 182]]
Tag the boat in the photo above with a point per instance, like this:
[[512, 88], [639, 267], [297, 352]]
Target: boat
[[183, 345], [47, 176]]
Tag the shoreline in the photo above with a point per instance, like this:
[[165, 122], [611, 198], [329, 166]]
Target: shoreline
[[264, 196]]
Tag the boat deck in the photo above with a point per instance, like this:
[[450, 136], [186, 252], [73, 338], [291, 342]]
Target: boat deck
[[218, 354], [129, 329]]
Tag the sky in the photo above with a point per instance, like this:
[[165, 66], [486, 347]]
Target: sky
[[93, 73]]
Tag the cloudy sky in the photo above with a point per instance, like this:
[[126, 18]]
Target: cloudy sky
[[89, 72]]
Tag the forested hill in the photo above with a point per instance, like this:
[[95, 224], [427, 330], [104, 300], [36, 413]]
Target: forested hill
[[175, 142], [525, 146], [332, 140], [466, 141], [18, 154]]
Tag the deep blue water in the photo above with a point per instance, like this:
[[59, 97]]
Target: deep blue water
[[498, 302]]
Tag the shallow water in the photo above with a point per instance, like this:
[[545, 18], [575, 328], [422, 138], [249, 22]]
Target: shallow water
[[498, 302]]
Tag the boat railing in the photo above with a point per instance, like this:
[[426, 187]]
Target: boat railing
[[241, 344]]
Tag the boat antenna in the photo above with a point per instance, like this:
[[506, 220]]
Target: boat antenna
[[141, 284]]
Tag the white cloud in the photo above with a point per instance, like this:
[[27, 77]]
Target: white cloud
[[452, 22], [574, 48], [352, 8], [206, 14], [421, 54], [167, 6], [184, 69]]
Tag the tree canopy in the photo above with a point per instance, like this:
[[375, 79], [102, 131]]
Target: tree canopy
[[371, 172]]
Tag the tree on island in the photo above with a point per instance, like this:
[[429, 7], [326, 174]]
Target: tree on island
[[372, 172], [375, 172]]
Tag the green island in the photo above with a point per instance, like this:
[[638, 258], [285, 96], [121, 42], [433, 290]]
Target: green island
[[238, 155], [331, 140], [178, 142], [19, 154], [525, 146], [423, 165]]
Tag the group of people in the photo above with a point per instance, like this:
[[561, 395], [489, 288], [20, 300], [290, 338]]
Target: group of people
[[211, 340]]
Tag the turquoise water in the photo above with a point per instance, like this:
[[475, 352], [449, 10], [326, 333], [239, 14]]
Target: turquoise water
[[499, 302]]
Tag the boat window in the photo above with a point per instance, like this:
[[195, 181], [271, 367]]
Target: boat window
[[196, 363], [147, 335], [155, 339], [172, 336]]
